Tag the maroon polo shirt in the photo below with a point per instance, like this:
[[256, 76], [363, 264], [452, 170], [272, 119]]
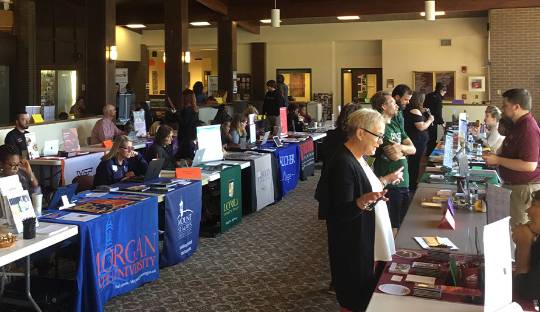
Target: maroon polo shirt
[[523, 143]]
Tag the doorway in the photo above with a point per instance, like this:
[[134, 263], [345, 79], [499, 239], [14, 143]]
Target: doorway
[[359, 84]]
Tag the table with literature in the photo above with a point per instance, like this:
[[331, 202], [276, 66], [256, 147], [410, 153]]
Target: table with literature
[[287, 160], [182, 206], [119, 248]]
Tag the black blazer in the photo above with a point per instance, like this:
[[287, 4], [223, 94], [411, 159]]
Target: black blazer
[[342, 182]]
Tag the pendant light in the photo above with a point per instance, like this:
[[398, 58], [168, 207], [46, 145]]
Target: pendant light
[[275, 15], [430, 10]]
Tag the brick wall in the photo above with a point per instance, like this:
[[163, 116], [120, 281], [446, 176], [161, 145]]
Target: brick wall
[[515, 53]]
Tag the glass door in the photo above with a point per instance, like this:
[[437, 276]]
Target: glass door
[[67, 90]]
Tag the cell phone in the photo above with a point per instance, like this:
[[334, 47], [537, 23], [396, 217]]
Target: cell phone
[[371, 206]]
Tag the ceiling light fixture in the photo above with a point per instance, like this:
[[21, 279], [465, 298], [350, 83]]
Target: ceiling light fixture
[[266, 21], [199, 24], [430, 10], [348, 18], [437, 13], [275, 15], [135, 26]]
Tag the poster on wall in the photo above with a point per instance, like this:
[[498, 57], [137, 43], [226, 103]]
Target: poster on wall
[[121, 78], [213, 85]]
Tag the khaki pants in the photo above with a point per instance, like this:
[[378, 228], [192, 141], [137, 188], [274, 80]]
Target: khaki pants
[[520, 201], [273, 124]]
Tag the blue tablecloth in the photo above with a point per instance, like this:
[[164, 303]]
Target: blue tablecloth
[[288, 160], [183, 208], [119, 252]]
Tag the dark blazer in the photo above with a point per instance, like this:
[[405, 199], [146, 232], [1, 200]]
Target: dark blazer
[[109, 171], [188, 121], [351, 231]]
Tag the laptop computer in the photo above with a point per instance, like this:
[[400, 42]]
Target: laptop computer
[[154, 168], [197, 159], [50, 147], [56, 200], [265, 137]]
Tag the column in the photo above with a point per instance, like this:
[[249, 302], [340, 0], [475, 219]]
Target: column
[[226, 55], [176, 43], [25, 70], [100, 87]]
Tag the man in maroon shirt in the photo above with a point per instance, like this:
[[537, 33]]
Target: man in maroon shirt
[[519, 154]]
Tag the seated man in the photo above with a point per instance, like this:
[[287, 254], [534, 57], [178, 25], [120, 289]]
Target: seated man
[[120, 163], [16, 137], [293, 122], [105, 129], [527, 279]]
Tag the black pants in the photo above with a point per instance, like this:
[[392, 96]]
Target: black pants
[[414, 163], [432, 142], [398, 204]]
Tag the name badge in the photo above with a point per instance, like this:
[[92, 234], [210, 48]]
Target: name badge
[[114, 168]]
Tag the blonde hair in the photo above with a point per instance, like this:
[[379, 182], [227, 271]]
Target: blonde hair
[[365, 118], [118, 142]]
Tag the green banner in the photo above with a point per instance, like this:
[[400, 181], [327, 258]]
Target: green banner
[[231, 197]]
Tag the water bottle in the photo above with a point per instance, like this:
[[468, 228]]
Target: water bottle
[[479, 150]]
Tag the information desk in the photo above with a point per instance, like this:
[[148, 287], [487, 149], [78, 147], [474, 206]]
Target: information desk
[[24, 248], [420, 221], [260, 185], [119, 251], [288, 165], [182, 218]]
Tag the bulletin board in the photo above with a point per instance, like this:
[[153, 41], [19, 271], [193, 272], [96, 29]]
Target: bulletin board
[[424, 81]]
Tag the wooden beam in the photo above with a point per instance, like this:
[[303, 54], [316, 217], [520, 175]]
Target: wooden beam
[[254, 10], [249, 26], [216, 6]]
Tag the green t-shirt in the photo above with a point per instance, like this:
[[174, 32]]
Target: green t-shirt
[[383, 166]]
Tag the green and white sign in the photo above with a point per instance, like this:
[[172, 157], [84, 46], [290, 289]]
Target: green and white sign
[[231, 197]]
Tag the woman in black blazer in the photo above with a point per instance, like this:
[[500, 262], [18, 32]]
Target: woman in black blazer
[[346, 193]]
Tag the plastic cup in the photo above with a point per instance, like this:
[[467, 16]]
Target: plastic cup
[[37, 200]]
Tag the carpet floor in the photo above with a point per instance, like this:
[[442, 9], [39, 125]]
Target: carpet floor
[[274, 260]]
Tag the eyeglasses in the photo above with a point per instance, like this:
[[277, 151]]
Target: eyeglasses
[[127, 148], [380, 137], [14, 166]]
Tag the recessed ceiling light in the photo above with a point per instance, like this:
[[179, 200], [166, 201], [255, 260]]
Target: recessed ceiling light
[[266, 21], [135, 26], [437, 13], [199, 24], [348, 18]]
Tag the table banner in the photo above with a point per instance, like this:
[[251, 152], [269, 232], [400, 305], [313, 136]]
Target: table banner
[[182, 223], [307, 159], [80, 166], [264, 184], [289, 167], [119, 252], [230, 197]]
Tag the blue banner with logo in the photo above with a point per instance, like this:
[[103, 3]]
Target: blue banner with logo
[[289, 167], [182, 222], [119, 251]]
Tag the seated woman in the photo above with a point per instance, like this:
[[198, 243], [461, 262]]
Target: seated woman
[[302, 111], [162, 148], [226, 139], [527, 279], [238, 129], [120, 163], [12, 164], [293, 122]]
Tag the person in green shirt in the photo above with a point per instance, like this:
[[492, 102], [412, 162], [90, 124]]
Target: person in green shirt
[[391, 156], [402, 93]]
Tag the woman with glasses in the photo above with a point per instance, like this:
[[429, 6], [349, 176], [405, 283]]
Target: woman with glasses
[[238, 129], [12, 164], [357, 218], [162, 148], [120, 163]]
